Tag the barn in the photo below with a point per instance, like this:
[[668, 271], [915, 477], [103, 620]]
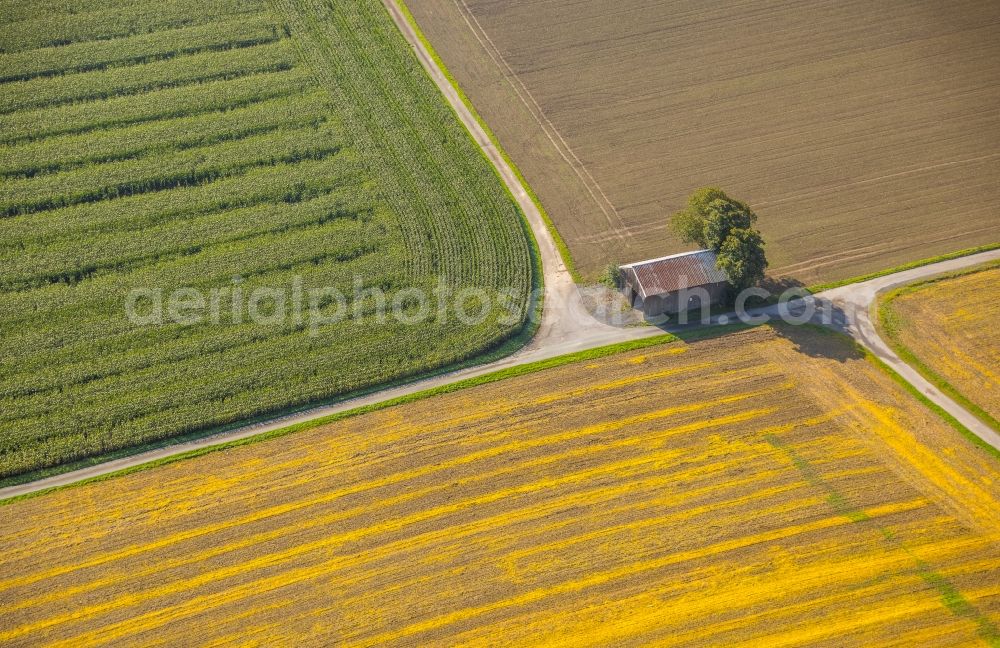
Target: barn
[[674, 283]]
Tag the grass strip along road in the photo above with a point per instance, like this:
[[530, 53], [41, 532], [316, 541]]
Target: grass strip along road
[[707, 492]]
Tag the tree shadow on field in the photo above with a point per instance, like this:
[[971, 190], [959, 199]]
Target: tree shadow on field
[[816, 327], [822, 336], [818, 341], [778, 285]]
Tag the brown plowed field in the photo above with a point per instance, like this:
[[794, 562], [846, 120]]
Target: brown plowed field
[[865, 134], [682, 494]]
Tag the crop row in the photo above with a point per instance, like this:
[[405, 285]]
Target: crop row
[[12, 11], [217, 389], [170, 385], [72, 259], [406, 200], [142, 48], [327, 231], [96, 310], [161, 104], [279, 183], [35, 313], [47, 29], [455, 191], [168, 361], [369, 103], [105, 344], [96, 330], [456, 218], [147, 77], [147, 138], [181, 168], [247, 346]]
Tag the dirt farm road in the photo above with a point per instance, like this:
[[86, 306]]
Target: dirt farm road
[[855, 301], [566, 325], [850, 311]]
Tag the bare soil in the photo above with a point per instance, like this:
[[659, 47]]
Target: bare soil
[[864, 134]]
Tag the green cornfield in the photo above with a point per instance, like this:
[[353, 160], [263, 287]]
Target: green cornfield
[[225, 145]]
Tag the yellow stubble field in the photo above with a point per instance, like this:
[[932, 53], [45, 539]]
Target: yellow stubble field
[[768, 486], [950, 327]]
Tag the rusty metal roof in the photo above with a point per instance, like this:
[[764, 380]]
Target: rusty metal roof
[[670, 273]]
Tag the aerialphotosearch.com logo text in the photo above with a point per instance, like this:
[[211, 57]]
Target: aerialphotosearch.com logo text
[[314, 308]]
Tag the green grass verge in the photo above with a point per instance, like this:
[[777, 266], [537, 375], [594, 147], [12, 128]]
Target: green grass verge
[[693, 335], [890, 322], [502, 374], [900, 268], [556, 237], [948, 418], [502, 350]]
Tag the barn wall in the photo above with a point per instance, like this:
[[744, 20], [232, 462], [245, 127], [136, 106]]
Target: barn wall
[[668, 303]]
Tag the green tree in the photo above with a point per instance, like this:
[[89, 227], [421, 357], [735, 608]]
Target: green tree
[[709, 217], [742, 258], [714, 221], [612, 276], [689, 226], [689, 223], [722, 217]]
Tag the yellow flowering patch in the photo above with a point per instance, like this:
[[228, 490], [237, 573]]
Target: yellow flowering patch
[[770, 486]]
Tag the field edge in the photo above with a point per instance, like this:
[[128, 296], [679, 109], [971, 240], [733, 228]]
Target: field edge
[[503, 374], [887, 321], [495, 376], [500, 348], [817, 288], [564, 253]]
